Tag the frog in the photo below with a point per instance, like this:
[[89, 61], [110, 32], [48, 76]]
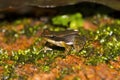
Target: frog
[[68, 39]]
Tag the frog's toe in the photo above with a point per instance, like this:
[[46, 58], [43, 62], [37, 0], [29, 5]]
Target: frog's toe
[[45, 49]]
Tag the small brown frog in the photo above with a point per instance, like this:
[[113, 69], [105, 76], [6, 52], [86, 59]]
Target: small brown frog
[[66, 39]]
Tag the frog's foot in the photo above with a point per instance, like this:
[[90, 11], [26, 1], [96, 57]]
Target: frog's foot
[[67, 50]]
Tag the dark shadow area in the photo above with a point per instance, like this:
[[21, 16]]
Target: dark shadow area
[[89, 9], [86, 8]]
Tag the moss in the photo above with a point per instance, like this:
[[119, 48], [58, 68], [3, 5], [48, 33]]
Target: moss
[[102, 46], [73, 21]]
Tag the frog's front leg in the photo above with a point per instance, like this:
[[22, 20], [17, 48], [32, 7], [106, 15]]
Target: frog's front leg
[[45, 45], [66, 46], [79, 43]]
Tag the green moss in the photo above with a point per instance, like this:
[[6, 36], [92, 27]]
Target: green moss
[[108, 36], [73, 21]]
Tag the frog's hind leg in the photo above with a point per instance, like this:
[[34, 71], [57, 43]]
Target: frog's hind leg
[[79, 43], [67, 48]]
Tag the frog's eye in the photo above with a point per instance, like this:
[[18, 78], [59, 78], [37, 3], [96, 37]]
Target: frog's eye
[[52, 36]]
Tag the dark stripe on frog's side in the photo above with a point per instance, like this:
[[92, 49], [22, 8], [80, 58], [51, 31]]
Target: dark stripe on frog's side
[[67, 38]]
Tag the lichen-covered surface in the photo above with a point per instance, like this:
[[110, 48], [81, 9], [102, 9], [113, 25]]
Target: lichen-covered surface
[[22, 56]]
